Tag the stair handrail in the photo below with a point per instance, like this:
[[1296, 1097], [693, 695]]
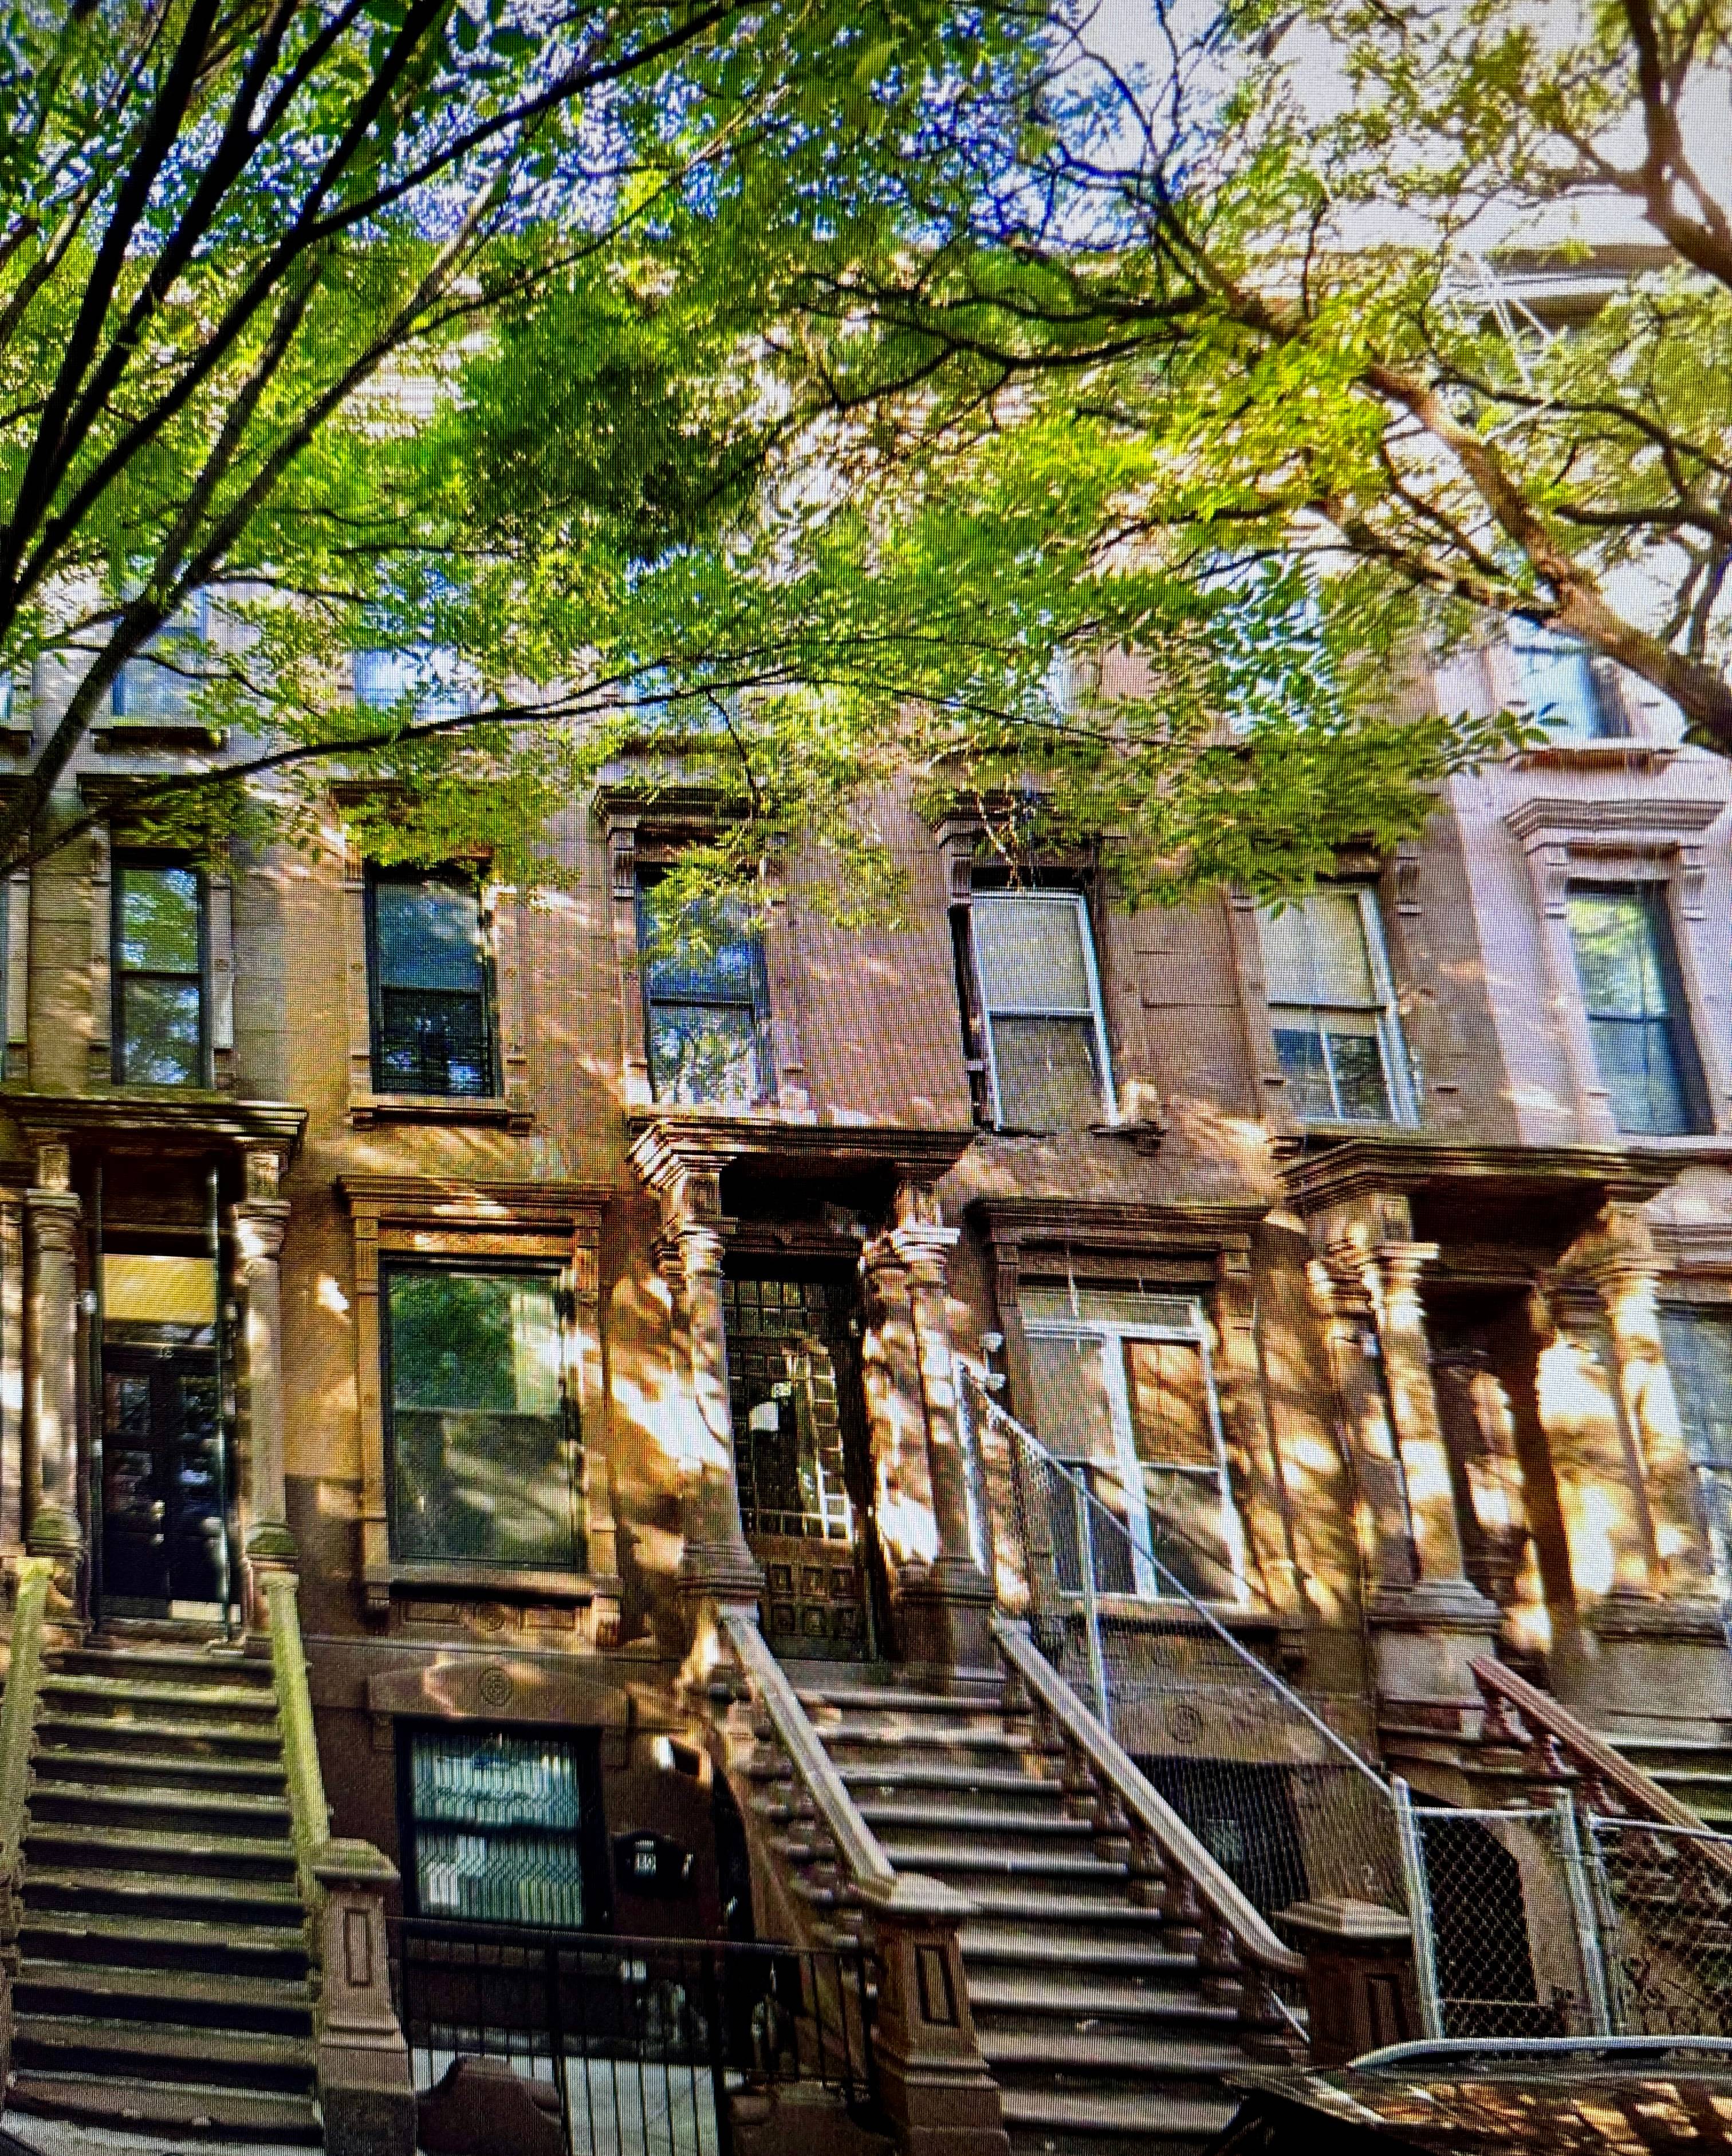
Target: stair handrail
[[309, 1811], [1141, 1799], [862, 1855], [17, 1739], [1606, 1765]]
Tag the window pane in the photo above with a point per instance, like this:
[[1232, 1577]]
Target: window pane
[[485, 1466], [159, 1032], [159, 920], [1315, 951], [1618, 953], [1186, 1524], [1637, 1062], [704, 1056], [1361, 1091], [496, 1823], [1073, 1410], [1048, 1075], [716, 962], [1299, 1050], [1030, 952], [1169, 1404], [158, 684], [428, 934], [1560, 686], [432, 1043], [1698, 1353]]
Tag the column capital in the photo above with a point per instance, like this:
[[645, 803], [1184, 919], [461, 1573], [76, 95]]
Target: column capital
[[53, 1217], [259, 1225], [924, 1246]]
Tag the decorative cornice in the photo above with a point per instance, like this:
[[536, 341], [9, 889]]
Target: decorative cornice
[[668, 1140], [1203, 1225], [1634, 816], [1358, 1166], [449, 1201], [677, 804], [188, 1117]]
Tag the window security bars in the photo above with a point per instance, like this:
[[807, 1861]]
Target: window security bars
[[159, 964], [431, 1008], [1332, 1009], [706, 1006], [641, 2044], [498, 1822], [1043, 1026], [486, 1453], [1631, 985]]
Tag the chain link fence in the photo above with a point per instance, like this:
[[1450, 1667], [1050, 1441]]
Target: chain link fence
[[1664, 1902]]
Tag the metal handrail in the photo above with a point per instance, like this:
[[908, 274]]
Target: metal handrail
[[1141, 1799]]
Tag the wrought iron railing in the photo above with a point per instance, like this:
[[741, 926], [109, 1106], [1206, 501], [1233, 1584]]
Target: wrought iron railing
[[648, 2046]]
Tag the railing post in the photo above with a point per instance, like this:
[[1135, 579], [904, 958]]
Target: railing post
[[1584, 1915], [1091, 1604], [366, 2091], [713, 1994], [557, 2042], [1418, 1891], [937, 2093]]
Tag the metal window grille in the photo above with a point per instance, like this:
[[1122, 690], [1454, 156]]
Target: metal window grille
[[432, 1030], [705, 1005], [159, 962], [1633, 994], [497, 1819], [1332, 1009], [1049, 1067]]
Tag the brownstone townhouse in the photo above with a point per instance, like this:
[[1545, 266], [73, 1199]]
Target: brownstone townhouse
[[626, 1352]]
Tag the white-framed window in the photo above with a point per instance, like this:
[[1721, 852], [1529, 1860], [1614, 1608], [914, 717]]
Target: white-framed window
[[1125, 1389], [1332, 1009], [1569, 691], [1041, 1027]]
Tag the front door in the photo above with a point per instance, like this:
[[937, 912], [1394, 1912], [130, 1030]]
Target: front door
[[800, 1456], [162, 1495]]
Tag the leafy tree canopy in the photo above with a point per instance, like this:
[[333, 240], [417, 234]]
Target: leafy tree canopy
[[626, 384]]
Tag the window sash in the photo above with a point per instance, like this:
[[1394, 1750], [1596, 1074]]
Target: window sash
[[1565, 688], [1698, 1340], [144, 690], [1007, 1016], [432, 1039], [492, 1479], [1139, 1488], [134, 988], [1644, 1051], [1318, 1027], [502, 1845], [688, 996]]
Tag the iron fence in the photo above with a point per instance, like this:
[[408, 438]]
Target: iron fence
[[645, 2043]]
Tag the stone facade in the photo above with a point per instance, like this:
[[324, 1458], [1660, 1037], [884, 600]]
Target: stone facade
[[1439, 1338]]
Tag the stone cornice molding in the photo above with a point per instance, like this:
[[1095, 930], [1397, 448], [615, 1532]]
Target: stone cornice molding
[[1359, 1167], [175, 1122], [1201, 1226], [446, 1201], [1651, 817], [670, 1141]]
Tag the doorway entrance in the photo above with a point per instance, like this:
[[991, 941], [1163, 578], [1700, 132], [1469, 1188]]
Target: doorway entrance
[[164, 1476], [799, 1457]]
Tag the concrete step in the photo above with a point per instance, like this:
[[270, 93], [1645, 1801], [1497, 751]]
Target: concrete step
[[77, 1886], [176, 2108], [1008, 1818], [202, 1809], [74, 1843], [893, 1699], [1072, 1946], [164, 2051], [125, 1696], [278, 2005], [214, 1944], [257, 1773], [1031, 1779], [1087, 1878], [1055, 2050], [163, 1664], [200, 1739], [868, 1737], [1026, 1907], [1081, 2118], [1055, 1993]]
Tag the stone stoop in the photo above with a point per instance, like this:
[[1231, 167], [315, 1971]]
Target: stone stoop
[[1697, 1771], [1091, 2008], [163, 1978]]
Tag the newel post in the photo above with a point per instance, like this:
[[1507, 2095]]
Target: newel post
[[365, 2089], [934, 2084]]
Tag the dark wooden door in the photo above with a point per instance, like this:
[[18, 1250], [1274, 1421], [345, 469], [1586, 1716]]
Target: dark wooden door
[[162, 1480], [799, 1453]]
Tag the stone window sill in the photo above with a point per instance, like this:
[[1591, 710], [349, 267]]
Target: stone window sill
[[508, 1111], [127, 734], [486, 1580]]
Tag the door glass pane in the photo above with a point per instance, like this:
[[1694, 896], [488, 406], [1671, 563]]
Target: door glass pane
[[485, 1466], [497, 1819], [1049, 1073], [161, 1033], [1030, 952]]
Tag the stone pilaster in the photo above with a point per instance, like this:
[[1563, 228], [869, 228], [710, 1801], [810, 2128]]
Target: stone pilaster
[[52, 1525], [258, 1225], [945, 1617], [716, 1561]]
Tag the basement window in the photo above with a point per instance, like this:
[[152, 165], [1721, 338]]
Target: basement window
[[501, 1824]]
